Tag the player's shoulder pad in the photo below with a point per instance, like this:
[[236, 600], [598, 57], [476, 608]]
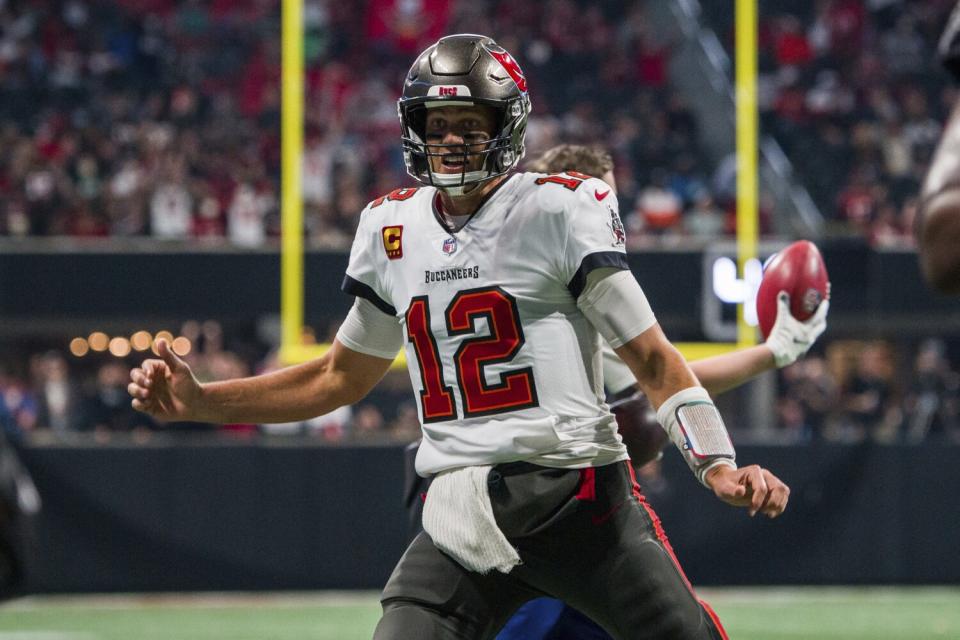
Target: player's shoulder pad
[[568, 191]]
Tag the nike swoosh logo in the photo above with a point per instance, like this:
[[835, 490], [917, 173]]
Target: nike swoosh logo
[[601, 196]]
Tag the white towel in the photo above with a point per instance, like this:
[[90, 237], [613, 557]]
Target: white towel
[[459, 517]]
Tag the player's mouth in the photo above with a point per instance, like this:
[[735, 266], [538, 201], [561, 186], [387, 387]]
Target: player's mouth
[[454, 161]]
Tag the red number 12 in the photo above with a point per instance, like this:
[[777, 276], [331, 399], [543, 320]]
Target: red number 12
[[515, 388]]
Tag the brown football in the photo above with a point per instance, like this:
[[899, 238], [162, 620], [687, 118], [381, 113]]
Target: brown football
[[800, 271]]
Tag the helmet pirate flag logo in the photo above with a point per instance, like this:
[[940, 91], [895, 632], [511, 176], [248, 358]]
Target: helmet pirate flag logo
[[510, 66]]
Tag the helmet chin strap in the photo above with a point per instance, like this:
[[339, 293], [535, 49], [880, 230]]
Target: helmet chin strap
[[457, 184]]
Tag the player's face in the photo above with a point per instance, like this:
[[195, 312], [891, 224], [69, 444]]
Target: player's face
[[468, 128]]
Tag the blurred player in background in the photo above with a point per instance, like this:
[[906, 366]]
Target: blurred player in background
[[501, 285], [637, 423], [938, 222]]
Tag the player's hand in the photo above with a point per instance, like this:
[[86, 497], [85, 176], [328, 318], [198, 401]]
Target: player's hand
[[165, 388], [790, 339], [752, 487]]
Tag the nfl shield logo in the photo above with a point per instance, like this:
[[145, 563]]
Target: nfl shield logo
[[450, 246]]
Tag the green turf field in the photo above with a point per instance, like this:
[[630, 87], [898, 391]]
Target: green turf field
[[749, 614]]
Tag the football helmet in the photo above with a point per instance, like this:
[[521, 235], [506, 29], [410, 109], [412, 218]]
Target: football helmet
[[464, 70]]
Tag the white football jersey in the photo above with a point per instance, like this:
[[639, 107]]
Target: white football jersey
[[504, 364]]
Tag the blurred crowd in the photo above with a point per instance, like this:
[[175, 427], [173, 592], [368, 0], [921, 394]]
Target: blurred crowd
[[877, 391], [51, 393], [852, 91], [848, 392], [162, 117]]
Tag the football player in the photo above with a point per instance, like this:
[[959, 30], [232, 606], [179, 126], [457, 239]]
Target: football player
[[500, 285], [643, 436], [938, 220]]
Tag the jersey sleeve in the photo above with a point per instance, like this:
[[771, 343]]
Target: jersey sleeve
[[368, 331], [363, 271], [595, 236]]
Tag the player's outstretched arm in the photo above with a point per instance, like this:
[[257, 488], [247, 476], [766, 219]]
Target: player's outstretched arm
[[789, 340], [659, 368], [616, 306], [166, 389], [660, 371]]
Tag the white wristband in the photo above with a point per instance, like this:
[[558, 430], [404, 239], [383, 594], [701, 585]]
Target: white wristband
[[696, 428]]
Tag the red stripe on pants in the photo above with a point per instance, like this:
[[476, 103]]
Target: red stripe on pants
[[588, 485], [662, 537]]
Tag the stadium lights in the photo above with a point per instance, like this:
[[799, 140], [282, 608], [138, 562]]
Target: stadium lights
[[79, 347], [119, 347], [181, 346], [99, 341], [141, 340]]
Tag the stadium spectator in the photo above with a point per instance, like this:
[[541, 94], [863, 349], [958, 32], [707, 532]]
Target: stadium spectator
[[368, 423], [808, 396], [59, 399], [18, 404], [869, 402], [932, 404]]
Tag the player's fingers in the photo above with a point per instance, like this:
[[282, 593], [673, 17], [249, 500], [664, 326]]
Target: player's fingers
[[156, 370], [140, 377], [731, 492], [758, 486], [138, 391], [146, 368], [140, 405], [779, 495], [822, 311], [171, 359], [776, 502]]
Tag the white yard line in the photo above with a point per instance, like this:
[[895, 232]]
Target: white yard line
[[769, 596], [794, 595], [46, 635], [191, 600]]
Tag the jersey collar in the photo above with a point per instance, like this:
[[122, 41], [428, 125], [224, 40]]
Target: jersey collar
[[437, 207]]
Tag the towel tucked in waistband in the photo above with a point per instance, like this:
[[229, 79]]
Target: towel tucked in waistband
[[459, 518]]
